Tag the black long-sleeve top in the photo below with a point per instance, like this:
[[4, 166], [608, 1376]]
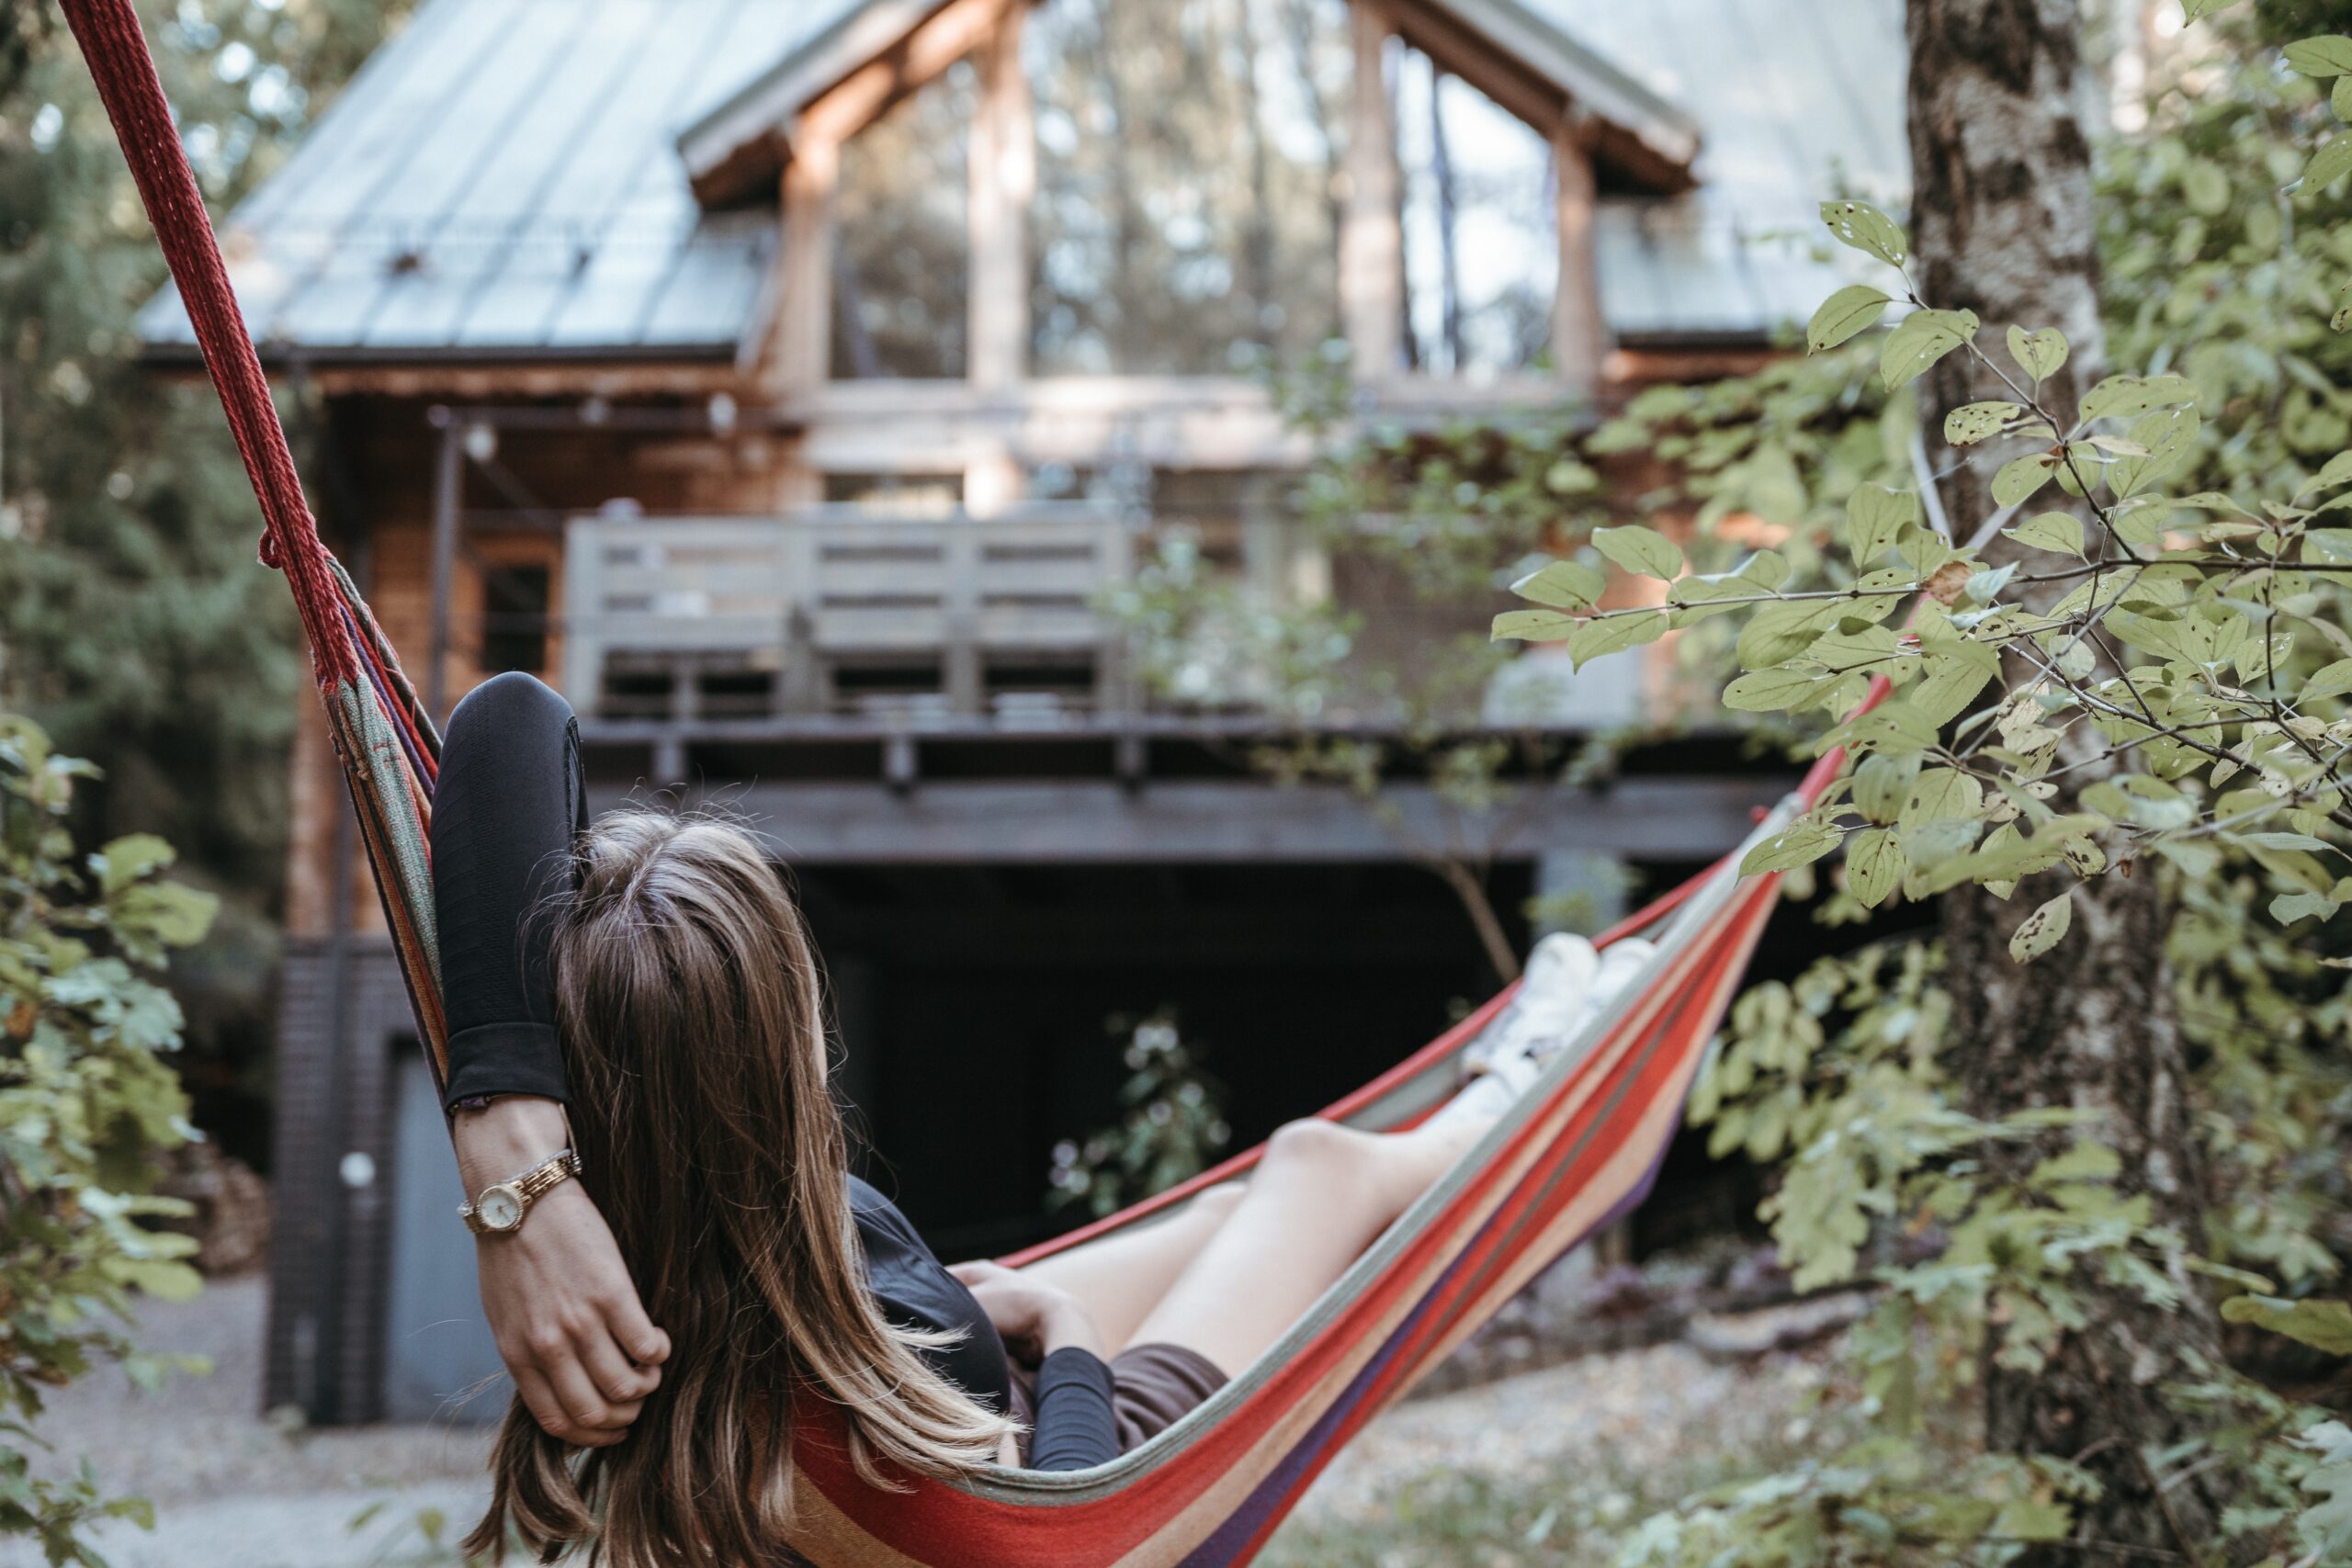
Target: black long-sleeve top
[[510, 799]]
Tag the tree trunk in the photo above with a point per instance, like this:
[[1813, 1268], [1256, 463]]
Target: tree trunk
[[2002, 224]]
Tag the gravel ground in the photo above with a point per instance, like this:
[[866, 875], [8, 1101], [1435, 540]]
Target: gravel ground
[[1631, 1413], [234, 1490]]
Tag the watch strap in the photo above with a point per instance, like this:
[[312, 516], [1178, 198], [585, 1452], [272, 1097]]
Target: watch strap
[[529, 1188]]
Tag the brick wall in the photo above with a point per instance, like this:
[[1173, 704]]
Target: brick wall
[[327, 1270]]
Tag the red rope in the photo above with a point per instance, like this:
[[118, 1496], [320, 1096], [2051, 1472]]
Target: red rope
[[116, 49]]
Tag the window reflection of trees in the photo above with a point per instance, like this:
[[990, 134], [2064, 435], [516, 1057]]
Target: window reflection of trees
[[1481, 237], [903, 255], [1187, 207]]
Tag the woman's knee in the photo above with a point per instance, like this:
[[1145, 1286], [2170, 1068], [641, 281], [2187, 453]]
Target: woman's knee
[[510, 704], [1317, 1150], [1215, 1204]]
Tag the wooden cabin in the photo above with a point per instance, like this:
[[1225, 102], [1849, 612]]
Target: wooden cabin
[[787, 380]]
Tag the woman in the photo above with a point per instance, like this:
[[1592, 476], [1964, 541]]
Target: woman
[[652, 972]]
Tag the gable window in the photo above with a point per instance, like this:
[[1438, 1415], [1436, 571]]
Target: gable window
[[1187, 206], [902, 249], [1481, 239]]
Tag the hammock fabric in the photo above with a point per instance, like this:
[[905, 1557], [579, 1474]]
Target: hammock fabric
[[1578, 1150]]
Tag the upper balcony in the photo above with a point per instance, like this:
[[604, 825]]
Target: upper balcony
[[836, 618]]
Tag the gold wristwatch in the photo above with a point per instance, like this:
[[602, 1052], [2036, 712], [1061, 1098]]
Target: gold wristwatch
[[500, 1208]]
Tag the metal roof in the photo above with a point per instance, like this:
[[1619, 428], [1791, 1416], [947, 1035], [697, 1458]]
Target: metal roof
[[503, 179], [498, 181], [1797, 104]]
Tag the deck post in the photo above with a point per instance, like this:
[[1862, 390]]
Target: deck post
[[1372, 235], [449, 480], [803, 343], [1579, 332], [1004, 173]]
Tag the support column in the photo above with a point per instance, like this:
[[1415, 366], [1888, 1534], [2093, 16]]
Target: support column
[[1579, 335], [1372, 236], [448, 485], [800, 352], [1003, 165]]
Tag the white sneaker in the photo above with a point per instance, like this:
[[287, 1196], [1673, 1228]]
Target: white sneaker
[[1551, 991], [1553, 1023]]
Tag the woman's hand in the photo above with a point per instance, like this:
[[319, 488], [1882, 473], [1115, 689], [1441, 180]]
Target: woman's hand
[[559, 1300], [1033, 1320]]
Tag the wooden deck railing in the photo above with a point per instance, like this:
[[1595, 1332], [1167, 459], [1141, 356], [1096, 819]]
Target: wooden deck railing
[[842, 609]]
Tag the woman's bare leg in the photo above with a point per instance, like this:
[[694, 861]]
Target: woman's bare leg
[[1123, 1276], [1322, 1194]]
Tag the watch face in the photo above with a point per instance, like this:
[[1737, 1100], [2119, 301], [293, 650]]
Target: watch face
[[500, 1208]]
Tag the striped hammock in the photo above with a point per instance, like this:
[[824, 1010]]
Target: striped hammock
[[1578, 1150]]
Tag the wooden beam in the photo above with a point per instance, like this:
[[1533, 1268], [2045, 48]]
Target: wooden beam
[[1579, 333], [1104, 821], [801, 346], [1517, 89], [1372, 234], [1003, 159], [1194, 422], [952, 31]]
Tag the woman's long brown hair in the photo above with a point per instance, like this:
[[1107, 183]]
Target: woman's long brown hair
[[688, 999]]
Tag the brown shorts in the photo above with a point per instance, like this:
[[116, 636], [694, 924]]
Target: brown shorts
[[1152, 1387]]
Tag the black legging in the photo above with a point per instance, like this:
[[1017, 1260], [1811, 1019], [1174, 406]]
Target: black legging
[[511, 799]]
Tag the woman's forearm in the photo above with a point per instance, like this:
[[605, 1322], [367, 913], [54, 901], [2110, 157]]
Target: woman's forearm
[[510, 1136]]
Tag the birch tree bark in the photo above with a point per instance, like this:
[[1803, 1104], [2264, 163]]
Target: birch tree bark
[[2003, 225]]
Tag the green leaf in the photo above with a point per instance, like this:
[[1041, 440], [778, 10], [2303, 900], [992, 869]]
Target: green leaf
[[2339, 97], [2197, 10], [2032, 1518], [1874, 865], [1919, 340], [1802, 842], [2323, 1325], [1614, 633], [2042, 929], [2328, 680], [1774, 690], [2205, 189], [2039, 353], [1882, 786], [1866, 228], [1972, 423], [1952, 681], [1875, 518], [1853, 309], [2326, 1526], [1534, 625], [2331, 162], [2327, 55], [126, 859], [1940, 794], [2170, 438], [1766, 569], [2056, 531], [1644, 552], [2289, 907], [2129, 396], [1563, 585], [2020, 477]]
